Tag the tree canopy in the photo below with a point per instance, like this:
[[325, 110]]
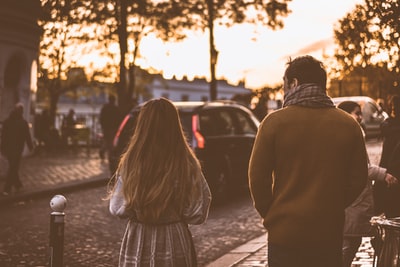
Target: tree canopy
[[127, 22], [368, 46], [207, 13], [60, 22], [96, 25]]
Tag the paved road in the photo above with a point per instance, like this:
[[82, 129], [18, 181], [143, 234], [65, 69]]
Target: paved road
[[92, 236]]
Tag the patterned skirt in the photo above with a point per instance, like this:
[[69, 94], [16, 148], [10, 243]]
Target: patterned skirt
[[161, 245]]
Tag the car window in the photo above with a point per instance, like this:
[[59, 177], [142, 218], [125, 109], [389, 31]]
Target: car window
[[369, 110], [245, 125], [186, 121], [216, 122]]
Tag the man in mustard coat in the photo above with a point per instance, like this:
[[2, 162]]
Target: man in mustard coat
[[308, 163]]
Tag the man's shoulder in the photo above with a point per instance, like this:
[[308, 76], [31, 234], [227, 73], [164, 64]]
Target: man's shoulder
[[297, 114]]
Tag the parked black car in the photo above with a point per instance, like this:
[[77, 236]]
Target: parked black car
[[221, 133]]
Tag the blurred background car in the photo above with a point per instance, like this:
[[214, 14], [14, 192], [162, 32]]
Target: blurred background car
[[221, 133], [373, 114]]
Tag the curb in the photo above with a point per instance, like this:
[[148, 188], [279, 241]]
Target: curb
[[240, 253], [95, 181]]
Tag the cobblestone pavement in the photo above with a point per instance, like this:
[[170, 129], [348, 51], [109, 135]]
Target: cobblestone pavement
[[45, 171], [364, 256], [92, 235], [57, 170]]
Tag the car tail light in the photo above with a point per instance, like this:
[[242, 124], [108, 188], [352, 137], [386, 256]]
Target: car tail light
[[198, 140], [121, 127]]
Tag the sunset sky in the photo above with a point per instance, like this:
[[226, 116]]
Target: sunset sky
[[255, 54]]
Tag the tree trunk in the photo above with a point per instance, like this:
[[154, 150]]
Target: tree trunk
[[213, 51], [132, 75], [132, 80], [123, 97]]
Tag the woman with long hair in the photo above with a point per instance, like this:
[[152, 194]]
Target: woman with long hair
[[161, 189]]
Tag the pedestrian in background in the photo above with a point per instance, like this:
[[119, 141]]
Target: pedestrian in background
[[68, 126], [299, 173], [15, 134], [359, 213], [388, 199], [160, 188], [390, 129], [110, 119]]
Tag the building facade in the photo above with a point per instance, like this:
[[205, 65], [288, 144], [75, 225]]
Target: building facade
[[191, 90], [19, 49]]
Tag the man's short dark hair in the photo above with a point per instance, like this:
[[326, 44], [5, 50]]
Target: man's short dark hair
[[306, 69]]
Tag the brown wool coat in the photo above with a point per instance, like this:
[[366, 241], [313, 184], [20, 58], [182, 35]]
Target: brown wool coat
[[307, 166]]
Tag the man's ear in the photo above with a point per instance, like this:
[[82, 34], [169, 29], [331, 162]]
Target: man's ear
[[294, 83]]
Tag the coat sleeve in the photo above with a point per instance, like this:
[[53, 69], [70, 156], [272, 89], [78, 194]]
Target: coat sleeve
[[197, 212], [117, 205], [261, 170], [376, 173]]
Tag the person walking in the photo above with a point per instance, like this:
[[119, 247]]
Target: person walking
[[387, 199], [309, 162], [110, 118], [358, 214], [390, 129], [15, 134], [161, 189]]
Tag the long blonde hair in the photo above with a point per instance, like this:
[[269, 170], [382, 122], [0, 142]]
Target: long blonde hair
[[159, 169]]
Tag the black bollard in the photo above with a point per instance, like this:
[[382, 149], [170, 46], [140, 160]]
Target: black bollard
[[57, 204]]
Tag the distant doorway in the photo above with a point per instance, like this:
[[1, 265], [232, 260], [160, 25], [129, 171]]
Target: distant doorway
[[9, 93]]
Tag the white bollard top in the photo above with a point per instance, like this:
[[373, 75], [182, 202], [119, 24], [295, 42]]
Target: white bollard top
[[58, 203]]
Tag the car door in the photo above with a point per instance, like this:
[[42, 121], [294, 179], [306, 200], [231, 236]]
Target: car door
[[216, 126], [242, 145]]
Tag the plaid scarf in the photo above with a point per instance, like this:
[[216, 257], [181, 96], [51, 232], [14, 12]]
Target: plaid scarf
[[307, 95]]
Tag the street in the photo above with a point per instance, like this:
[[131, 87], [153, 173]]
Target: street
[[93, 236]]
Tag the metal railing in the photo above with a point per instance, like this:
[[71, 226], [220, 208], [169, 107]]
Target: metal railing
[[387, 248]]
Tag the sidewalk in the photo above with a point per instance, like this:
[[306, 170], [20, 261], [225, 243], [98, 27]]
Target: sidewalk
[[254, 254], [50, 173]]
